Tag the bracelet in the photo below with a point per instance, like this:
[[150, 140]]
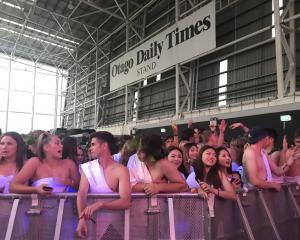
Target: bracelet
[[175, 135]]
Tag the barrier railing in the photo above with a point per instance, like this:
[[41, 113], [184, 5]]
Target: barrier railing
[[257, 214]]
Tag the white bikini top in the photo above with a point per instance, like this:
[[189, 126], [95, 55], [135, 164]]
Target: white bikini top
[[4, 183]]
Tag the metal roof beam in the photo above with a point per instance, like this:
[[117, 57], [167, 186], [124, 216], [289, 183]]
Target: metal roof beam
[[66, 35], [117, 29], [61, 26], [103, 10], [57, 14], [30, 49], [22, 30]]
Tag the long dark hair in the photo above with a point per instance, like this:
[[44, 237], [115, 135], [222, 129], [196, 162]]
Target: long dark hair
[[151, 145], [181, 168], [212, 177], [69, 148], [218, 150], [21, 148]]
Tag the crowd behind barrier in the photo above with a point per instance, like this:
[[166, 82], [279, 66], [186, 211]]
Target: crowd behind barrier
[[257, 214]]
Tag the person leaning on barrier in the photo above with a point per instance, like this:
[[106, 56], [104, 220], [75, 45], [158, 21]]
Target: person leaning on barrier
[[103, 175], [257, 166], [293, 173], [150, 172], [48, 172], [12, 156], [207, 178]]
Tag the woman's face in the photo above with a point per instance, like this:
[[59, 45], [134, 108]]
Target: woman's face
[[80, 155], [193, 153], [224, 159], [175, 157], [8, 147], [54, 147], [209, 157]]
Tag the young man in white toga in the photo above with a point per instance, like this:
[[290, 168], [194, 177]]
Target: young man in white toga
[[103, 175]]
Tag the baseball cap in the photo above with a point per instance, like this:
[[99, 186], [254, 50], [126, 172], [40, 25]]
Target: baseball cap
[[256, 134]]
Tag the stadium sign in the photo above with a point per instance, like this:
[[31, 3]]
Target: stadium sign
[[185, 39]]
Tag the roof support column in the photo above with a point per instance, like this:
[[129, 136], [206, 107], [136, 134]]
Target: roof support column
[[177, 93], [75, 91], [278, 48], [8, 93], [96, 86], [33, 97]]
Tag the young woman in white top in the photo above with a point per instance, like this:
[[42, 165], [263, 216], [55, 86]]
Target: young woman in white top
[[12, 155], [48, 172]]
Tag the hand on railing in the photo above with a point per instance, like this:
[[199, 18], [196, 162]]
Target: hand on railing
[[88, 212], [151, 189], [44, 190]]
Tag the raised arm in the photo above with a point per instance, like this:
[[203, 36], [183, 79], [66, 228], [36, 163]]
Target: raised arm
[[239, 125], [281, 170], [222, 128]]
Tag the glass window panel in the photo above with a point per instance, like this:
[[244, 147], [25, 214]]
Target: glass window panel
[[23, 63], [20, 101], [62, 84], [223, 66], [22, 78], [43, 122], [3, 101], [2, 121], [19, 122], [59, 121], [45, 83], [42, 100], [4, 70]]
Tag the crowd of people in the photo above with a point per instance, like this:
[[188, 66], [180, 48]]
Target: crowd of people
[[201, 161]]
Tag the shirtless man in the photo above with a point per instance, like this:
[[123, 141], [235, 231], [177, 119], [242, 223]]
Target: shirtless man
[[293, 174], [102, 175], [258, 167], [150, 172]]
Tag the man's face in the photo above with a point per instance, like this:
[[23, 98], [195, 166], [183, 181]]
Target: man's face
[[297, 143], [269, 141], [96, 148], [169, 142]]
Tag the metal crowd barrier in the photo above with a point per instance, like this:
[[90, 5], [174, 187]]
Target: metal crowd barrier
[[257, 214]]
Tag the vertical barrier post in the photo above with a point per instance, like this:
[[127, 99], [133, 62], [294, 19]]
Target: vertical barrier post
[[60, 214], [171, 219], [294, 201], [12, 218], [260, 194], [127, 224], [245, 220]]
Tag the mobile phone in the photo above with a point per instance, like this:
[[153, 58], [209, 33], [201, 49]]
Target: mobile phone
[[46, 188], [232, 180]]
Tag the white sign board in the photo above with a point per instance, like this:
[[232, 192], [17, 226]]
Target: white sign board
[[187, 38]]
